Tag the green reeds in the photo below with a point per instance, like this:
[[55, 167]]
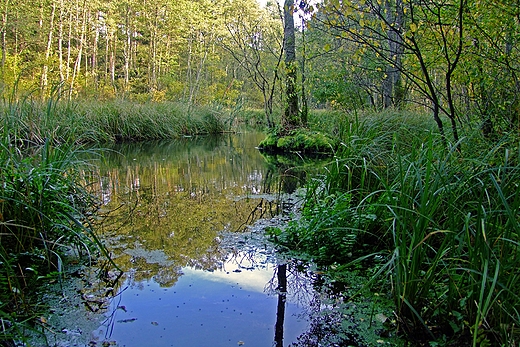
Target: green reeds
[[446, 221], [455, 239], [45, 210], [109, 121]]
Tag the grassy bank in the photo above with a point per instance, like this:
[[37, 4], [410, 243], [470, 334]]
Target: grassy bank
[[45, 212], [437, 228], [113, 121]]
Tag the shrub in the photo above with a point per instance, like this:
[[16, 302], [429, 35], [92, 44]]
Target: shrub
[[441, 226]]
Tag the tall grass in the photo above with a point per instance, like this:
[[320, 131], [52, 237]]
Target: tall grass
[[110, 121], [445, 223], [44, 211], [453, 223]]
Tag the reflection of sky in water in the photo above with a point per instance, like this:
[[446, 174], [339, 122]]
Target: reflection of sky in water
[[170, 201], [248, 279], [219, 308]]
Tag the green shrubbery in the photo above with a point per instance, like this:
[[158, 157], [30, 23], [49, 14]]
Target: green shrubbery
[[45, 210], [440, 226]]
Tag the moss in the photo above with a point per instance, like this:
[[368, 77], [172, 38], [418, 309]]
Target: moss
[[300, 140], [269, 141]]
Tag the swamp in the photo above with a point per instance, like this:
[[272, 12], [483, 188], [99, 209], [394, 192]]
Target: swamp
[[185, 223], [260, 173]]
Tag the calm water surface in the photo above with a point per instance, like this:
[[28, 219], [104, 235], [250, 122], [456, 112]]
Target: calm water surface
[[185, 284]]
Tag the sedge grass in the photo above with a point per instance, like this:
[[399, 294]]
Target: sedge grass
[[446, 221], [44, 211], [109, 121]]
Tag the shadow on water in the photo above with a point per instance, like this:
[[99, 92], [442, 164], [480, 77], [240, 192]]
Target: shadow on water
[[181, 219]]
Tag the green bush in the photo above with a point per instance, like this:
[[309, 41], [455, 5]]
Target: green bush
[[441, 226]]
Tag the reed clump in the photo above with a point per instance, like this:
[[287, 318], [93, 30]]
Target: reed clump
[[45, 212], [110, 121], [437, 227]]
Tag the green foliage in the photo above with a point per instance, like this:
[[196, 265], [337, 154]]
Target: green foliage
[[300, 140], [439, 225], [45, 209], [40, 196], [327, 230]]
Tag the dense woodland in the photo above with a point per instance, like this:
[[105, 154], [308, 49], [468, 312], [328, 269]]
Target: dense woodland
[[457, 58]]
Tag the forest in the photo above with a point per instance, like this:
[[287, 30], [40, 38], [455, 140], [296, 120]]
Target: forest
[[419, 101], [455, 58]]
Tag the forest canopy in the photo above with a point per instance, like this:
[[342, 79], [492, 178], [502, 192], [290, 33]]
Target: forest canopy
[[456, 58]]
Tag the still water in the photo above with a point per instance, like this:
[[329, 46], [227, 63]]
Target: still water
[[177, 221]]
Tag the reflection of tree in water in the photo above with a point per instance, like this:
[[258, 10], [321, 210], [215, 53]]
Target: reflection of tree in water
[[182, 227], [176, 201], [291, 282], [287, 172], [325, 328], [334, 320], [281, 275], [284, 179]]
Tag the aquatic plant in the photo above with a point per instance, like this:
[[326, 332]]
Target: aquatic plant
[[440, 226], [45, 210]]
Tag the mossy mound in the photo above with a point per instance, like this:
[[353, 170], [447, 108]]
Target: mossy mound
[[300, 140]]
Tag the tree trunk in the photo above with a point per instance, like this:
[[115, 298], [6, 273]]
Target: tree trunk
[[77, 64], [128, 48], [305, 107], [60, 43], [392, 89], [69, 47], [4, 33], [45, 69], [95, 75], [291, 118]]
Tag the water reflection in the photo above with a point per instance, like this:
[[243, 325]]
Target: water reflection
[[220, 308], [280, 308], [165, 207], [177, 197]]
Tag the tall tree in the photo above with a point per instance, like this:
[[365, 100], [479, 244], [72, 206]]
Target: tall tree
[[490, 81], [254, 41], [431, 37], [48, 50], [392, 88], [5, 14], [291, 118]]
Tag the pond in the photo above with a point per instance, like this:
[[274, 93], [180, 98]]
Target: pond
[[185, 222], [180, 219]]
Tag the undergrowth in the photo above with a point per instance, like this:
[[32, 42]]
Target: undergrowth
[[45, 213], [437, 228]]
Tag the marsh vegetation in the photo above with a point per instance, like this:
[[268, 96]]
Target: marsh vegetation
[[433, 228], [416, 104]]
